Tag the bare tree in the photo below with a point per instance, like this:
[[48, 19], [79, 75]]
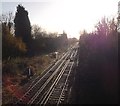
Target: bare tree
[[36, 31], [7, 19]]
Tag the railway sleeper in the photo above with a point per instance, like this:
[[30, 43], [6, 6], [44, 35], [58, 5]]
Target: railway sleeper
[[62, 99], [55, 95], [57, 89], [54, 100]]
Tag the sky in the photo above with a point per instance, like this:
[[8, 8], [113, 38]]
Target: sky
[[72, 16]]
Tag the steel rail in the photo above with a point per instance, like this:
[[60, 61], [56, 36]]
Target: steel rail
[[54, 83], [46, 83], [64, 85]]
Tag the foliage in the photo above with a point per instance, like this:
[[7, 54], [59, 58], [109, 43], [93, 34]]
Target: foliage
[[11, 46], [97, 72], [106, 27], [7, 19], [49, 44], [22, 25], [36, 31], [38, 42]]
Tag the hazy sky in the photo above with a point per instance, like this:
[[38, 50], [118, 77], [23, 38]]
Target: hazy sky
[[70, 15]]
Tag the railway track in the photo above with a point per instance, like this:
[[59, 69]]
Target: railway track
[[40, 97], [53, 83], [56, 93]]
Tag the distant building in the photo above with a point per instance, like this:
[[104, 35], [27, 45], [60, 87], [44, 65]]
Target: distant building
[[119, 7], [118, 28]]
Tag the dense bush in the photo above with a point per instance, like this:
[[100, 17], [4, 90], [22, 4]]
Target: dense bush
[[11, 46], [97, 72]]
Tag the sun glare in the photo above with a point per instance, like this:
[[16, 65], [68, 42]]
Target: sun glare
[[72, 16], [75, 15]]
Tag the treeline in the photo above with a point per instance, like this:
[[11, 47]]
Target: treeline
[[48, 44], [11, 46], [19, 38], [97, 72]]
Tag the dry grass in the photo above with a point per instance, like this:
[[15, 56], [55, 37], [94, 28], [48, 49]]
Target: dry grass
[[13, 73], [13, 69]]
